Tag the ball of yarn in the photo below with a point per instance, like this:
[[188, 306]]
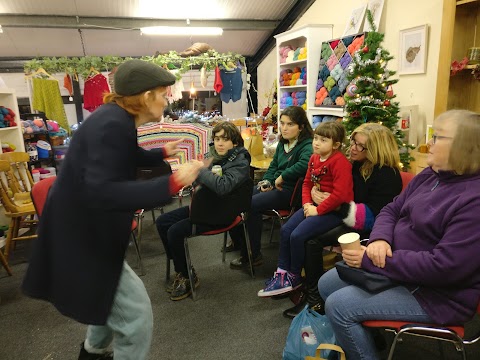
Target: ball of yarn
[[38, 122]]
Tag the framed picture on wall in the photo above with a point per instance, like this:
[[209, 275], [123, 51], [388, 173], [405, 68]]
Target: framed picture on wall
[[376, 8], [355, 21], [412, 55]]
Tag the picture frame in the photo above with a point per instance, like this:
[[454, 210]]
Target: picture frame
[[355, 21], [429, 133], [376, 8], [412, 55]]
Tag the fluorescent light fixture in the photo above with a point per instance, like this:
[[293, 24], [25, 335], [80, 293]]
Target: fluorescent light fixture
[[181, 30]]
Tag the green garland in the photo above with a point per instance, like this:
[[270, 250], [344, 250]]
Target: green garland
[[83, 65]]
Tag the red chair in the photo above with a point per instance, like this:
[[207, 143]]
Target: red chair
[[406, 178], [197, 214], [40, 192], [283, 214], [454, 333], [39, 197]]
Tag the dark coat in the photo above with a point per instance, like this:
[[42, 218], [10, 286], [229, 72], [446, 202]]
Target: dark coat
[[86, 223]]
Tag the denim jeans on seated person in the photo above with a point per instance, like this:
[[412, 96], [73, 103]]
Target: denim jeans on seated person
[[261, 201], [347, 306], [129, 324]]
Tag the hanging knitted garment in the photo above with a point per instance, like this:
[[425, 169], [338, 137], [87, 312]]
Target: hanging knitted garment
[[94, 89], [46, 98]]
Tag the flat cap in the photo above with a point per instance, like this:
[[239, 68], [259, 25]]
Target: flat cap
[[136, 76]]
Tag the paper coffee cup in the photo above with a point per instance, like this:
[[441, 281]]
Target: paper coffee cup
[[350, 241]]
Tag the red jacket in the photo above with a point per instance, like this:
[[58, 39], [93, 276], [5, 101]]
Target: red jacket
[[334, 176]]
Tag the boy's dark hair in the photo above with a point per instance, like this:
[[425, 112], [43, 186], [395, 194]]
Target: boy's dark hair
[[231, 132], [332, 130], [298, 116]]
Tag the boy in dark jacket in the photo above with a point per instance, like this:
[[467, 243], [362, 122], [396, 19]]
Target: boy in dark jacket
[[228, 152]]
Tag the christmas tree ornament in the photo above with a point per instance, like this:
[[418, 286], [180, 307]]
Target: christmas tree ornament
[[355, 114], [365, 49], [386, 103], [352, 90], [389, 91]]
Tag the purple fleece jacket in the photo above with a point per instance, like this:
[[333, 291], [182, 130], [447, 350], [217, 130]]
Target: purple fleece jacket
[[433, 227]]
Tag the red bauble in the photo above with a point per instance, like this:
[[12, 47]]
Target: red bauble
[[386, 103], [365, 49], [355, 114]]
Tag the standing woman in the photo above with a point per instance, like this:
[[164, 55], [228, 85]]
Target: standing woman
[[78, 260], [289, 163], [424, 240], [376, 181]]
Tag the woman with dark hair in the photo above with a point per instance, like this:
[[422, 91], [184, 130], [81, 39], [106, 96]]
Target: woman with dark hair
[[424, 240], [289, 163]]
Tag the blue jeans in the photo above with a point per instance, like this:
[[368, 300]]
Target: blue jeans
[[296, 231], [173, 227], [347, 306], [261, 201], [129, 324]]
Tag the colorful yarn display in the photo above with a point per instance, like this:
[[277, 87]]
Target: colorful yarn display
[[293, 77], [7, 117], [336, 57]]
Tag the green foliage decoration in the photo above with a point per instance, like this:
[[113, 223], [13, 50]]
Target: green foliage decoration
[[84, 65]]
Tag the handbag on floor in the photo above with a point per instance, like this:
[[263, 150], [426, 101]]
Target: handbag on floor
[[326, 347], [366, 280], [308, 330]]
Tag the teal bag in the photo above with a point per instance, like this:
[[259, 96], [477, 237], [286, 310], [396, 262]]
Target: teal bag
[[308, 330]]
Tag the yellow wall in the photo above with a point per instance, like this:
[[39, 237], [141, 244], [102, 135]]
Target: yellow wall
[[397, 15]]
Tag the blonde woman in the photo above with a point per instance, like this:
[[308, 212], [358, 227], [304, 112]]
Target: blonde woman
[[423, 240], [375, 161]]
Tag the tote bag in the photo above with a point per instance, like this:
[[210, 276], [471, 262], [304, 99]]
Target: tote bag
[[308, 330]]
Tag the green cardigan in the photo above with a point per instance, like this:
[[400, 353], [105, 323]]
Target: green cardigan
[[291, 166]]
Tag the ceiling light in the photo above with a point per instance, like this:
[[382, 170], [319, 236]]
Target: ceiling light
[[1, 30], [181, 30]]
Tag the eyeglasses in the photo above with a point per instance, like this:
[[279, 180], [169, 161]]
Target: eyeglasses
[[358, 146], [435, 137]]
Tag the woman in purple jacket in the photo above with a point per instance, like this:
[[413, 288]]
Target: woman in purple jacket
[[424, 240]]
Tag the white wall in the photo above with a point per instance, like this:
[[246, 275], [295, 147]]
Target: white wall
[[397, 15]]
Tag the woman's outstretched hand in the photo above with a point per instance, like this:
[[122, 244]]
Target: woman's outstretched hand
[[171, 148]]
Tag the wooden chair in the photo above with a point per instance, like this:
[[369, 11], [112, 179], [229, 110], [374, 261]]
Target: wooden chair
[[17, 203], [23, 180]]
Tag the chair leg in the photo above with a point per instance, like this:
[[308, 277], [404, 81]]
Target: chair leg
[[10, 236], [167, 271], [189, 268], [224, 250], [139, 257], [249, 248], [153, 215], [271, 229], [139, 230], [4, 262]]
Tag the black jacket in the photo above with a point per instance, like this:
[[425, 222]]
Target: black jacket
[[85, 226]]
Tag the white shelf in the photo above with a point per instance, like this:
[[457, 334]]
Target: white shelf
[[311, 37], [293, 63], [13, 134], [327, 110], [293, 87]]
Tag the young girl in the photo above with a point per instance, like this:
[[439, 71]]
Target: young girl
[[331, 172]]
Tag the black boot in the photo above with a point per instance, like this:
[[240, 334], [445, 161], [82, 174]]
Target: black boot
[[84, 355], [313, 271]]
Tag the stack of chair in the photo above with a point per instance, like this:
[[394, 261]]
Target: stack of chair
[[16, 184]]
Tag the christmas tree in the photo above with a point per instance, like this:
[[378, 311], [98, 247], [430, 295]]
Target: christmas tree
[[369, 96]]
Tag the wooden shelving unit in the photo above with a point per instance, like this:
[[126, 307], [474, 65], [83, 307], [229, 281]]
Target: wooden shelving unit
[[461, 21], [13, 134]]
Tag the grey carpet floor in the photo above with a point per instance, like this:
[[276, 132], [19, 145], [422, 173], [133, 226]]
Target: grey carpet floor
[[228, 320]]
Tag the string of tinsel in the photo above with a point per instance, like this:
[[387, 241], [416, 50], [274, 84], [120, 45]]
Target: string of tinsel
[[362, 99], [358, 59]]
